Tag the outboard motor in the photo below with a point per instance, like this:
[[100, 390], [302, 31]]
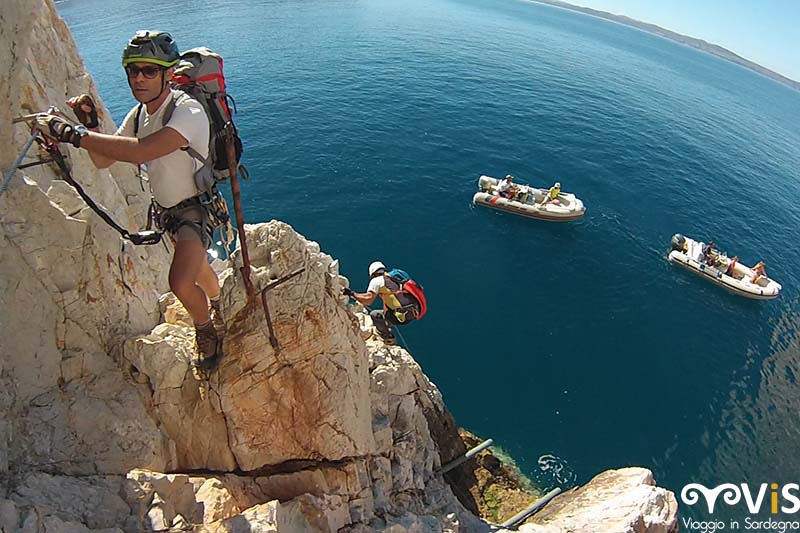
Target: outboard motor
[[485, 184], [678, 241]]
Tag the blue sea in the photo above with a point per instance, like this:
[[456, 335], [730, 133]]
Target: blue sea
[[576, 347]]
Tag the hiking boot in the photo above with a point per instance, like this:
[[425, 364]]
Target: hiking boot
[[208, 346], [217, 319]]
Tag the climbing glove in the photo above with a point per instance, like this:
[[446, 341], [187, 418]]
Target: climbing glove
[[347, 292], [87, 118], [58, 129]]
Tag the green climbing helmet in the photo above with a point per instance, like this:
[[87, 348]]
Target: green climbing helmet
[[155, 47]]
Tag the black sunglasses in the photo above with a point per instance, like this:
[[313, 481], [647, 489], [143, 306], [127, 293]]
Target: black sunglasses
[[149, 72]]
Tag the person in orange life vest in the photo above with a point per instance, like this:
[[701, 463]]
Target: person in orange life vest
[[398, 309]]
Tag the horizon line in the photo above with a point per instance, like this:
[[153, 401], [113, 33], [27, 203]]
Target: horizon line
[[643, 26]]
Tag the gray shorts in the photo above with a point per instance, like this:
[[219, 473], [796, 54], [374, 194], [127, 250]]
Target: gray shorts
[[187, 224]]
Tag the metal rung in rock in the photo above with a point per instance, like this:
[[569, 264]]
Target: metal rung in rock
[[461, 460], [538, 504]]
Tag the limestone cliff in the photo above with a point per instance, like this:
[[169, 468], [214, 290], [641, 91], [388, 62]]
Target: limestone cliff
[[103, 426]]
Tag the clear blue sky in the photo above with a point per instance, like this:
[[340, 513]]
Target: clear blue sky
[[764, 31]]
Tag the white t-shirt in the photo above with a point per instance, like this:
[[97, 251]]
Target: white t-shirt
[[172, 176], [376, 283], [503, 186]]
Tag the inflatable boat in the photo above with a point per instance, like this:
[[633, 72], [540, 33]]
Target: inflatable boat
[[713, 267], [526, 202]]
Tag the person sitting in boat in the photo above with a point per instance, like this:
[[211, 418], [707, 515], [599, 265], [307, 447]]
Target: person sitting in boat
[[709, 255], [731, 270], [506, 187], [552, 195], [759, 271]]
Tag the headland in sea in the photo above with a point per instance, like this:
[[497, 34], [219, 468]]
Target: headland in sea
[[699, 44]]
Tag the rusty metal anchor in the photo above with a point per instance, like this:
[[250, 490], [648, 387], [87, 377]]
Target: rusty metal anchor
[[273, 340]]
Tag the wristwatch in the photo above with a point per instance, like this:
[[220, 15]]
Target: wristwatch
[[80, 131]]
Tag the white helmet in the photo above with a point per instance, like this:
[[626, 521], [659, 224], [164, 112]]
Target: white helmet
[[557, 185], [375, 266]]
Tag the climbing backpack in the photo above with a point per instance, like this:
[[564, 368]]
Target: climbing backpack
[[199, 74], [411, 287]]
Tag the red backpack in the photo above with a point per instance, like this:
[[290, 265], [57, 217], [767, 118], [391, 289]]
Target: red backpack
[[409, 286]]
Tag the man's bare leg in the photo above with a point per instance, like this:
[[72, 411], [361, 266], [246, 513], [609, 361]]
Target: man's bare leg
[[188, 264], [208, 281]]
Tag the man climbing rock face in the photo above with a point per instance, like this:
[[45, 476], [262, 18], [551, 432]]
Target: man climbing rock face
[[403, 300], [157, 133]]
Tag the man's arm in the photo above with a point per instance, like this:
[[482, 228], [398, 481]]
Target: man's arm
[[107, 149], [100, 161], [365, 298]]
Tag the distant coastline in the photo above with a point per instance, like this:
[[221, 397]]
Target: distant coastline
[[699, 44]]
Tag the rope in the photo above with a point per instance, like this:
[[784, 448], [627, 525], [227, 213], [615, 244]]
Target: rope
[[55, 153], [140, 238], [400, 336]]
